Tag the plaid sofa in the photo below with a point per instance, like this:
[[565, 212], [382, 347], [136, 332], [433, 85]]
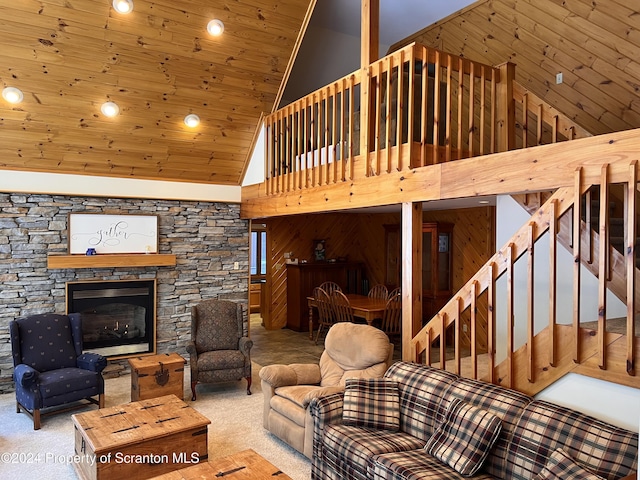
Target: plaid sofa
[[536, 437]]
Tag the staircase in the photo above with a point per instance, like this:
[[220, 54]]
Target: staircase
[[536, 357]]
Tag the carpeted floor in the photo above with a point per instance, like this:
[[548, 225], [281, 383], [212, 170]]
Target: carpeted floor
[[236, 418]]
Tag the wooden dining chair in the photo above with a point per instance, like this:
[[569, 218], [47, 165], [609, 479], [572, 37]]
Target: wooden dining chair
[[394, 292], [379, 291], [341, 307], [330, 287], [392, 316], [326, 316]]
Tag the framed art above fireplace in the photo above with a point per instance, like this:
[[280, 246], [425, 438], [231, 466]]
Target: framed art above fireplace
[[103, 234]]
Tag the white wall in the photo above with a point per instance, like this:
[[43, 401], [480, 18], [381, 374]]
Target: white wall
[[255, 171], [611, 402], [62, 184]]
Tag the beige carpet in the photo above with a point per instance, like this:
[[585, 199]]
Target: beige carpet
[[236, 424]]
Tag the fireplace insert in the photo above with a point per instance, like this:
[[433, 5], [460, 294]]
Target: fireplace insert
[[118, 317]]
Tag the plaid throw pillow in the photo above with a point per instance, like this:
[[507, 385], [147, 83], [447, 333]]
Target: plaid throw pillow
[[371, 403], [465, 438], [560, 466]]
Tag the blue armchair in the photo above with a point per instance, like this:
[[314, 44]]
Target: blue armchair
[[49, 367]]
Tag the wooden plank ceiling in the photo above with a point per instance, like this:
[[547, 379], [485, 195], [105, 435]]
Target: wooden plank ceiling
[[158, 63]]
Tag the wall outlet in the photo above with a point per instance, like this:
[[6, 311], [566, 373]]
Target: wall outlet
[[558, 78], [287, 255], [236, 265], [465, 327]]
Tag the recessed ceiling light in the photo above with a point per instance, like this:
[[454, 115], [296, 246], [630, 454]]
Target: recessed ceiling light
[[215, 27], [12, 94], [192, 120], [110, 109], [483, 202], [123, 6]]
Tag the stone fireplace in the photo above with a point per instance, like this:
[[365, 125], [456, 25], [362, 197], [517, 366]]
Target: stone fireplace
[[118, 317]]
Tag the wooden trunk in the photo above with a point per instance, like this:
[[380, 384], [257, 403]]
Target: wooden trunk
[[157, 375], [139, 440]]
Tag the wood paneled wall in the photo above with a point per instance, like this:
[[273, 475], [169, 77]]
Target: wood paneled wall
[[596, 46], [360, 237]]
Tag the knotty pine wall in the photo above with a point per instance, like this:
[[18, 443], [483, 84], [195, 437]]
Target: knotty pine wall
[[596, 46], [361, 238]]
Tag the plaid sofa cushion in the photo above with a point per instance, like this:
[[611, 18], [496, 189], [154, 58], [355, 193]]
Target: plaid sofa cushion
[[465, 438], [414, 465], [606, 450], [561, 466], [348, 451], [371, 403]]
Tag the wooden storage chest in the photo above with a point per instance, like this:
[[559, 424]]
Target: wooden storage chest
[[157, 375], [139, 440]]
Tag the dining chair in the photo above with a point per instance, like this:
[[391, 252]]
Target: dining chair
[[326, 316], [379, 291], [394, 292], [342, 307], [330, 287], [392, 316]]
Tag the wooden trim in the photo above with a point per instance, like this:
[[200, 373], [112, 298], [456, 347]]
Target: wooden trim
[[631, 255], [603, 264]]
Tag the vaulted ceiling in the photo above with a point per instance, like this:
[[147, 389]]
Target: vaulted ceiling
[[158, 63]]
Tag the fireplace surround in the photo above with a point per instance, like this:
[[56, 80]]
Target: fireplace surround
[[118, 317]]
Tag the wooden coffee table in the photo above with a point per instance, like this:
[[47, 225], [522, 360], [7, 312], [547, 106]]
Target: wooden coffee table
[[244, 465], [138, 440]]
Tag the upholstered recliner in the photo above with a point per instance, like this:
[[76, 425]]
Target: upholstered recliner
[[351, 351], [49, 367], [219, 348]]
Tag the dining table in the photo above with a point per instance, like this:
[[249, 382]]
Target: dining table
[[362, 305]]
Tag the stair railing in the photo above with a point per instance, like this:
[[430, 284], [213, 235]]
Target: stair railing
[[560, 345]]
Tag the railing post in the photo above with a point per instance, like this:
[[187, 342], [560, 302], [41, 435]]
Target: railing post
[[369, 38], [506, 116]]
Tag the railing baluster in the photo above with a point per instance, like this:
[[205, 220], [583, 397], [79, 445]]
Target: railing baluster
[[436, 110], [352, 82], [530, 299], [472, 104], [473, 340], [460, 105], [525, 120], [588, 225], [399, 113], [491, 321], [447, 130], [510, 314], [553, 267], [577, 235], [424, 107], [631, 211], [602, 266], [388, 113], [410, 113], [483, 109], [539, 126], [456, 343], [443, 345], [494, 105]]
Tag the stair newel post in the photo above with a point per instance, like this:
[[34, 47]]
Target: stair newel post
[[505, 104], [630, 214], [577, 235]]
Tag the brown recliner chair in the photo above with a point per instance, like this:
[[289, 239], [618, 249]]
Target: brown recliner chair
[[351, 350], [219, 348]]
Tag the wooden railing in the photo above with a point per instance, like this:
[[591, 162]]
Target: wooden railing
[[545, 354], [454, 113]]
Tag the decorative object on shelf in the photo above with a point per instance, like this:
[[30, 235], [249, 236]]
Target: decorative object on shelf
[[319, 252], [91, 251], [112, 233]]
